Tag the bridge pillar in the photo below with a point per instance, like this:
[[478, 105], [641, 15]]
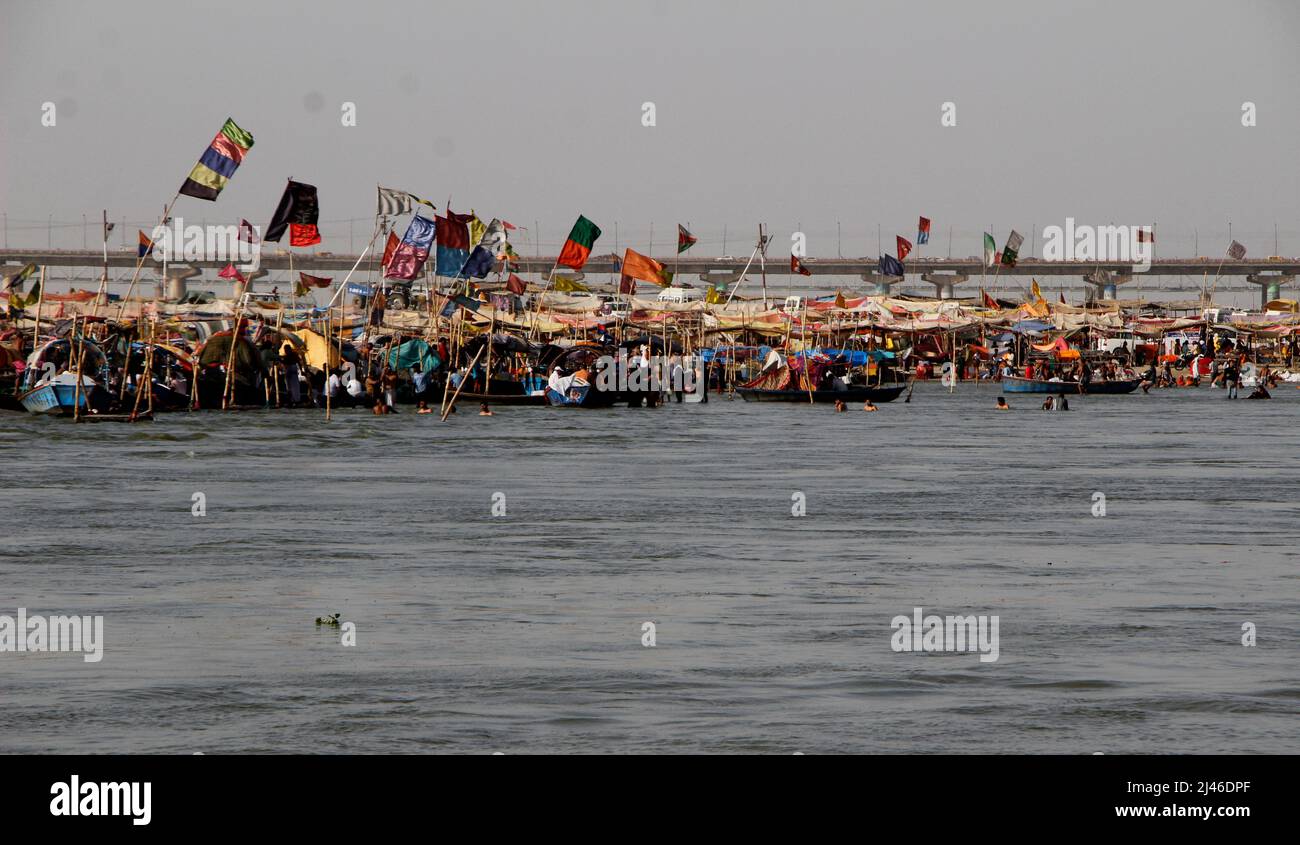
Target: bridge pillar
[[943, 282], [1105, 285], [1270, 286], [881, 283]]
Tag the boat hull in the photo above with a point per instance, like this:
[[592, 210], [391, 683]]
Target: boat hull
[[887, 393], [1016, 384], [59, 399]]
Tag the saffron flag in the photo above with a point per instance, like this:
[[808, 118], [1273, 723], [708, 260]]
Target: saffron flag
[[218, 163], [903, 247], [1035, 290], [413, 250], [314, 281], [229, 272], [389, 249], [393, 203], [796, 266], [582, 237], [990, 250], [685, 240], [516, 285], [644, 268], [1012, 250], [891, 266], [298, 213], [839, 300], [1237, 251], [923, 231], [490, 247], [144, 247], [453, 243]]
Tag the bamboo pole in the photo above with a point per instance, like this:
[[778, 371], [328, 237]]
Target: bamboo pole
[[230, 365], [40, 299], [81, 360], [447, 410]]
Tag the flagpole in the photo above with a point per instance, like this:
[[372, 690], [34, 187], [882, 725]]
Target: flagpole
[[736, 286], [360, 258], [140, 261]]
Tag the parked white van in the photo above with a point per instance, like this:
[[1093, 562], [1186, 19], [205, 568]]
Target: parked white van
[[680, 293]]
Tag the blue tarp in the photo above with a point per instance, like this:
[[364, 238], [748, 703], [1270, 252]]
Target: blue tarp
[[854, 357], [1032, 326]]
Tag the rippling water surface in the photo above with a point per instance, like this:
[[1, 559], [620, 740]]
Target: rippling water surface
[[523, 633]]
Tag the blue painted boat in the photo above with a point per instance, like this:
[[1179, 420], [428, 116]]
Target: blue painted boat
[[58, 396], [1016, 384]]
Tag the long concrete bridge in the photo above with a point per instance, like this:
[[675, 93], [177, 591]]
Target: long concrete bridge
[[946, 274]]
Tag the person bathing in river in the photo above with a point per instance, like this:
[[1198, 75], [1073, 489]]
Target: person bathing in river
[[869, 406], [1048, 403], [1002, 404]]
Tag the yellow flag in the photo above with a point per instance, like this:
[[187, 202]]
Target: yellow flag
[[564, 283], [476, 229], [714, 296]]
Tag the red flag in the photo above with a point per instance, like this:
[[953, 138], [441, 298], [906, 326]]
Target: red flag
[[1146, 237], [923, 231], [315, 281], [903, 247], [514, 284], [796, 266], [627, 284], [229, 272], [989, 302], [389, 249]]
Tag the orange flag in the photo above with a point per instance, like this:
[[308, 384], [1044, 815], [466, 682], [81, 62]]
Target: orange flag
[[643, 267]]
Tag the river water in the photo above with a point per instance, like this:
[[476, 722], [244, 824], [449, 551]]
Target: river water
[[522, 633]]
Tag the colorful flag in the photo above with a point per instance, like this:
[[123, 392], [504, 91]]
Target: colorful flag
[[685, 240], [15, 287], [891, 266], [393, 203], [229, 272], [903, 247], [1237, 251], [989, 302], [796, 266], [247, 233], [643, 268], [516, 285], [923, 231], [453, 243], [218, 163], [298, 212], [990, 250], [582, 237], [564, 283], [315, 281], [491, 246], [144, 247], [1012, 250], [410, 254]]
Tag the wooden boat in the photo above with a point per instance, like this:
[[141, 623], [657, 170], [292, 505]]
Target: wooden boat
[[59, 396], [881, 393], [1017, 384]]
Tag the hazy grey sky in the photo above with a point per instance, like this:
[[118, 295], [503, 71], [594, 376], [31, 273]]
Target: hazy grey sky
[[808, 112]]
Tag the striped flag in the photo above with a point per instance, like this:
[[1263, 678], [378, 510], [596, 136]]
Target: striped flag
[[990, 250], [685, 240], [393, 203], [218, 163], [923, 231], [144, 247], [582, 237]]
